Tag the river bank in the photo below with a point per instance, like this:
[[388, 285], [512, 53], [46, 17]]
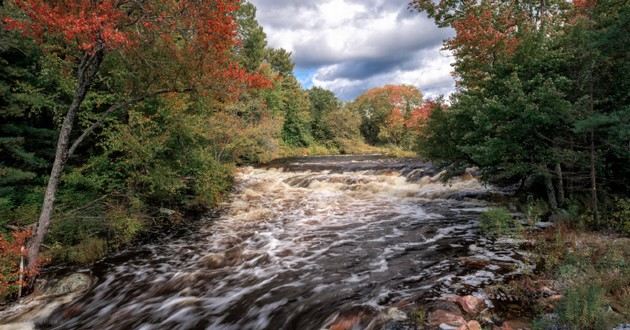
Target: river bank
[[322, 242]]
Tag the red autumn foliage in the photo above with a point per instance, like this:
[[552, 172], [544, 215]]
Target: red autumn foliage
[[82, 22], [486, 33], [11, 251], [584, 4], [420, 115], [196, 36], [395, 95]]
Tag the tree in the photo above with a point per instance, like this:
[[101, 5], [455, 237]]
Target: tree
[[323, 102], [280, 61], [296, 129], [539, 100], [384, 110], [253, 44], [195, 37]]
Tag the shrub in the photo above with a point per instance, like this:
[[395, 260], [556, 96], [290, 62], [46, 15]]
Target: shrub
[[10, 255], [620, 215], [88, 251], [583, 307], [497, 222]]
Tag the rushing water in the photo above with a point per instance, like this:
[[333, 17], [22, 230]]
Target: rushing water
[[299, 242]]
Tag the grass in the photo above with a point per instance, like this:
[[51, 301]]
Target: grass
[[345, 147], [591, 271], [498, 222]]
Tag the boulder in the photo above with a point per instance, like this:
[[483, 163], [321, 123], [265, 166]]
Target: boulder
[[471, 304], [445, 319], [473, 325], [514, 325], [72, 283], [396, 314]]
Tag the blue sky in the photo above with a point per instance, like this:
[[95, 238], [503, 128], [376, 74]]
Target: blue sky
[[349, 46]]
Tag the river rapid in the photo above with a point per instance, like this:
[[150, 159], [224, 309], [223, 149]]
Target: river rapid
[[298, 243]]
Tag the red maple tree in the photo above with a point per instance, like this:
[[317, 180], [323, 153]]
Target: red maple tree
[[187, 43]]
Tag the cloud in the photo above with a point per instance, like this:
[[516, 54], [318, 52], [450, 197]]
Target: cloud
[[349, 46]]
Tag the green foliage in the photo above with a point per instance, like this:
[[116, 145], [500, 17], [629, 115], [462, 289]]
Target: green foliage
[[584, 308], [296, 129], [280, 61], [497, 222], [540, 106], [253, 39], [619, 217], [162, 158]]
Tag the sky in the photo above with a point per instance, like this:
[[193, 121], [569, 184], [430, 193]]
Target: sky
[[350, 46]]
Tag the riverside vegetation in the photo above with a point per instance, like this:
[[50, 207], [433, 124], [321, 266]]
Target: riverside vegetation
[[153, 111], [151, 120]]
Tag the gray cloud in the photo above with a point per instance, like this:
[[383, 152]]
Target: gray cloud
[[354, 45]]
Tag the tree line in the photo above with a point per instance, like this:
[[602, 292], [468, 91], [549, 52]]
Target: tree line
[[542, 102], [120, 117]]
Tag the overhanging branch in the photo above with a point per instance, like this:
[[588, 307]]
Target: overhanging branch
[[115, 108]]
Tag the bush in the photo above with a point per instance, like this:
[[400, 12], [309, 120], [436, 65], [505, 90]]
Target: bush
[[497, 222], [620, 216], [583, 307], [10, 255]]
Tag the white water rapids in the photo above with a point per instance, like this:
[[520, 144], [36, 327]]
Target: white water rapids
[[295, 245]]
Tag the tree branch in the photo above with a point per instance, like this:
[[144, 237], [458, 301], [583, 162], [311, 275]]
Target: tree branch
[[115, 108]]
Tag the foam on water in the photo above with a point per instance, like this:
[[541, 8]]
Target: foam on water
[[297, 244]]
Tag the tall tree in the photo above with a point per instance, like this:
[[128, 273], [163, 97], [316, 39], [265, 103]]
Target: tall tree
[[196, 37]]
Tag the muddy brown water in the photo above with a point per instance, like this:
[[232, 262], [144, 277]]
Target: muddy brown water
[[298, 242]]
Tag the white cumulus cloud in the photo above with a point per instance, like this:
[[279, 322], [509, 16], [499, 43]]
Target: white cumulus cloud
[[350, 46]]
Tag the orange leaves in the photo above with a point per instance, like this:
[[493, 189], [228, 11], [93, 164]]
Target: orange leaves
[[194, 39], [11, 251], [420, 115], [86, 23], [584, 4], [393, 95], [486, 32]]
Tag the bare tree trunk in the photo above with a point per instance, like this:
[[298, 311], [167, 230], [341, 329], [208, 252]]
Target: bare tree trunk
[[594, 199], [560, 178], [87, 69], [542, 14], [551, 193]]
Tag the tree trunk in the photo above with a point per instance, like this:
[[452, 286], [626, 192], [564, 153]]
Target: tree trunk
[[594, 199], [87, 69], [551, 193], [560, 178]]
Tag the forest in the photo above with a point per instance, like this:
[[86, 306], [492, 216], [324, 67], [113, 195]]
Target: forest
[[143, 126], [120, 120]]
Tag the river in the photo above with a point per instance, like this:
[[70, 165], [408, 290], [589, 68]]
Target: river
[[299, 242]]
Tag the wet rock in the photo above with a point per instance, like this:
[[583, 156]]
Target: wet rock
[[445, 319], [72, 283], [213, 261], [52, 294], [397, 325], [474, 263], [396, 314], [355, 318], [471, 304], [473, 325], [346, 323], [514, 325]]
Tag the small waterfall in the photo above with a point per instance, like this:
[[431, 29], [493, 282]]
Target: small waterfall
[[299, 242]]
